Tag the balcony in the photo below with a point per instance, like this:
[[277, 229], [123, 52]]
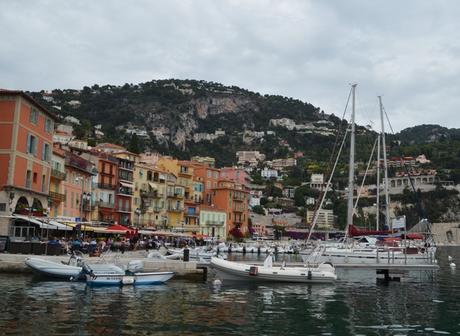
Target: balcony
[[124, 191], [214, 223], [106, 186], [157, 208], [55, 196], [150, 194], [57, 174], [173, 209], [238, 197], [106, 205], [123, 209]]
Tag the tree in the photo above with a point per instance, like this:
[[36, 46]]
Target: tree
[[258, 209], [134, 145]]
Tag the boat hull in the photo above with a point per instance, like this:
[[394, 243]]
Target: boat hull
[[137, 279], [51, 269], [228, 270]]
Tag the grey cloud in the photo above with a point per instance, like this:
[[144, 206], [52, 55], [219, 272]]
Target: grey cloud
[[407, 51]]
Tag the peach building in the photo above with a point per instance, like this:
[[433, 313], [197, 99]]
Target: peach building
[[26, 140], [58, 175], [78, 187], [209, 176], [233, 198], [236, 174]]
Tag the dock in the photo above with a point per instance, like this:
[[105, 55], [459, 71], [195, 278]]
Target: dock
[[191, 270]]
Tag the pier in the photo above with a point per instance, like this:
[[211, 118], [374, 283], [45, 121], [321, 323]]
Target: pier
[[191, 270]]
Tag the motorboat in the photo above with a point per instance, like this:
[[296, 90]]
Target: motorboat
[[53, 269], [67, 271], [131, 276], [230, 270]]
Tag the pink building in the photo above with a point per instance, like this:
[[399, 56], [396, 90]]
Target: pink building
[[238, 175]]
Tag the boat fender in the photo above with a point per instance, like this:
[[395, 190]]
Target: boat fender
[[127, 280], [309, 275], [253, 270]]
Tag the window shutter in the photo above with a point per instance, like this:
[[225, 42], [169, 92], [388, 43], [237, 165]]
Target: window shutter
[[35, 144], [28, 143], [44, 152]]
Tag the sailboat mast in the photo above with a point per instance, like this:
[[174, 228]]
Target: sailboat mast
[[385, 165], [377, 218], [351, 165]]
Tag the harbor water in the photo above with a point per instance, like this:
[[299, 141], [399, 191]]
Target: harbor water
[[352, 306]]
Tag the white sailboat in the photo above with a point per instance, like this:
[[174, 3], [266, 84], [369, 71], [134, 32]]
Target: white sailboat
[[352, 252]]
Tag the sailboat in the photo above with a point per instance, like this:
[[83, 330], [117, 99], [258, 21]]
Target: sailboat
[[353, 252]]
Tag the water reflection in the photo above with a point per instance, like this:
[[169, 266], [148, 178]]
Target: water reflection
[[188, 308]]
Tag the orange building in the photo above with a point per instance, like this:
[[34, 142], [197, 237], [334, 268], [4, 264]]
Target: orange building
[[105, 187], [233, 198], [209, 176], [26, 140]]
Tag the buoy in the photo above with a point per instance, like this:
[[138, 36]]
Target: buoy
[[450, 258], [452, 265], [217, 282]]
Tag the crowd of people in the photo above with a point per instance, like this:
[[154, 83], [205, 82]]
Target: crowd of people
[[94, 246]]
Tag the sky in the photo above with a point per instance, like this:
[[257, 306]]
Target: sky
[[406, 51]]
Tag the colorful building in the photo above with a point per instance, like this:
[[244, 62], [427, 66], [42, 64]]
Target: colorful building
[[233, 198], [213, 222], [105, 184], [209, 176], [78, 187], [124, 191], [239, 175], [58, 175], [26, 139]]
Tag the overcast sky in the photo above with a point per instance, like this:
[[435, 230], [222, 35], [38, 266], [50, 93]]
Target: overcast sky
[[407, 51]]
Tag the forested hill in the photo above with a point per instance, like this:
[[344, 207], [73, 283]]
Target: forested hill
[[190, 117]]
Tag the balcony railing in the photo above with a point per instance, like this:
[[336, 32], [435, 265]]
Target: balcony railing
[[106, 205], [173, 209], [237, 197], [123, 209], [60, 175], [124, 191], [57, 196], [106, 186]]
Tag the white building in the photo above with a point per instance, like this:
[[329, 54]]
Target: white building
[[72, 120], [269, 173], [251, 157], [213, 222], [325, 221]]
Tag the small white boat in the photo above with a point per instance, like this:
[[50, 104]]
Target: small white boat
[[72, 270], [125, 278], [229, 270], [53, 269]]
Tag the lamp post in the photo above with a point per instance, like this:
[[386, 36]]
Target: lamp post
[[138, 213]]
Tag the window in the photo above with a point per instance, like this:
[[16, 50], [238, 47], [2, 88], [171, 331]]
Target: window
[[43, 183], [35, 178], [2, 206], [46, 152], [28, 179], [33, 118], [216, 175], [31, 144], [209, 173], [48, 125]]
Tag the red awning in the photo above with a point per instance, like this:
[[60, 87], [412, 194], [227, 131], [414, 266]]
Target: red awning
[[117, 227]]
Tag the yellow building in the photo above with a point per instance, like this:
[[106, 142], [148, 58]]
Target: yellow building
[[149, 201]]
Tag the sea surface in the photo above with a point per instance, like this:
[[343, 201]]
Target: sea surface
[[355, 305]]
